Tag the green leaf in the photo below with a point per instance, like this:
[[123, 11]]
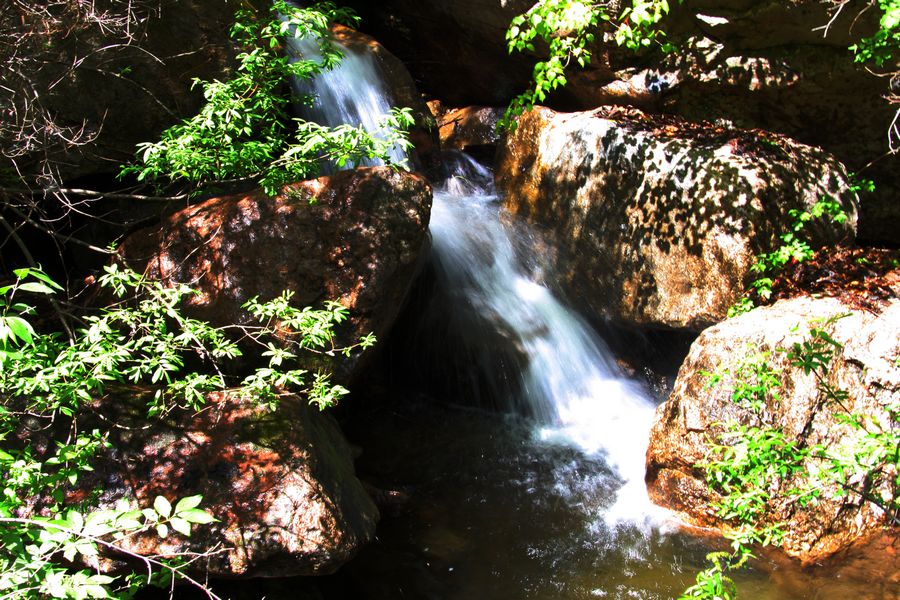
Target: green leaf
[[36, 288], [181, 526], [20, 328], [195, 515], [162, 507]]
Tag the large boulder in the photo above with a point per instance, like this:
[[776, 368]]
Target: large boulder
[[695, 415], [280, 482], [658, 222], [783, 66], [356, 237]]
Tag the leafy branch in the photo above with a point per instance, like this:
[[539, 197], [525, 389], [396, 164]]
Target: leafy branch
[[568, 28], [143, 338], [245, 130]]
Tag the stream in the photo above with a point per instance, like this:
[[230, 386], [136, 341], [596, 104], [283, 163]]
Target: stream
[[540, 492]]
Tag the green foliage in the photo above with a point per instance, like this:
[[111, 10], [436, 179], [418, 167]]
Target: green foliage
[[794, 247], [882, 48], [748, 464], [32, 548], [245, 129], [638, 26], [754, 382], [868, 464], [143, 339], [568, 28], [712, 583]]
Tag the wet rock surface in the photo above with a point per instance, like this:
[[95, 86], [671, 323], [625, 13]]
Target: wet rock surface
[[693, 416], [659, 223], [356, 237]]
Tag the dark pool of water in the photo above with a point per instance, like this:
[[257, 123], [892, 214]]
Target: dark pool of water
[[486, 512], [492, 513]]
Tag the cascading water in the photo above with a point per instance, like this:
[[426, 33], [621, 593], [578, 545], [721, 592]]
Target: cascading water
[[569, 381], [499, 512], [354, 93], [552, 511]]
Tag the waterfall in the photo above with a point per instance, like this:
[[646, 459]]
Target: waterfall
[[569, 379], [353, 93]]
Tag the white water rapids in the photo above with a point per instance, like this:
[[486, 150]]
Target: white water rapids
[[571, 383]]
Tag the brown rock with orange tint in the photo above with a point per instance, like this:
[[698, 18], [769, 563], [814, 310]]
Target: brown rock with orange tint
[[694, 417], [463, 128], [356, 237], [658, 221], [281, 484]]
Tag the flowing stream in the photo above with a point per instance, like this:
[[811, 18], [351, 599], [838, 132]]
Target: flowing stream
[[569, 380], [552, 505]]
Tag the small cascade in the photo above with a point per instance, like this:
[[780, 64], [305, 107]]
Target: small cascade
[[353, 93], [570, 381]]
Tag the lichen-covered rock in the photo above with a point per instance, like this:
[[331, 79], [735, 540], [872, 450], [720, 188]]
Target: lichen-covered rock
[[659, 223], [356, 237], [694, 415], [281, 484]]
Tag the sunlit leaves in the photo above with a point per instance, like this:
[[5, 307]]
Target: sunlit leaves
[[882, 48], [245, 130], [794, 247], [567, 29], [142, 339], [750, 467]]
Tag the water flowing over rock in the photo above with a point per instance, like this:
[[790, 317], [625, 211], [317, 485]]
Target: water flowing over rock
[[694, 414], [362, 90], [356, 237], [767, 64], [281, 484], [656, 225], [567, 379]]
